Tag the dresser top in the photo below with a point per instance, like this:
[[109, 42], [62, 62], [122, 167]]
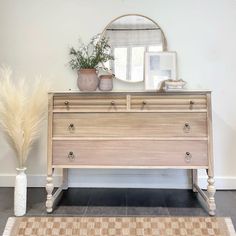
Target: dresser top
[[133, 92]]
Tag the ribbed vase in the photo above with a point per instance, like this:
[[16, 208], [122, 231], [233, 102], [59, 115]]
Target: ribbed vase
[[20, 193]]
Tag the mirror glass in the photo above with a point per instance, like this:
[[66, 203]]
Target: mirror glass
[[130, 36]]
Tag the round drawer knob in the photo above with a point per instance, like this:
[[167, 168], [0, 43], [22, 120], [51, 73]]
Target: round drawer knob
[[71, 126], [71, 155], [113, 103], [191, 103], [188, 156], [66, 103], [187, 127], [144, 103]]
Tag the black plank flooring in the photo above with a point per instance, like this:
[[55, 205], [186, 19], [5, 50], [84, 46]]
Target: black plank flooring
[[119, 202]]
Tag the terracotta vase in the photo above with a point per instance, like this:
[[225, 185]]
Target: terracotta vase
[[87, 79], [105, 83]]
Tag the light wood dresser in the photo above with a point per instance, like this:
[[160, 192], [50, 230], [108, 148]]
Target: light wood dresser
[[130, 130]]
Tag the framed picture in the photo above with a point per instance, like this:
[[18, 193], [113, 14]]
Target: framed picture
[[159, 66]]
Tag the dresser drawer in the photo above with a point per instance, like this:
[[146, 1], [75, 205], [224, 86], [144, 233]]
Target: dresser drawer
[[168, 102], [130, 153], [93, 103], [134, 124]]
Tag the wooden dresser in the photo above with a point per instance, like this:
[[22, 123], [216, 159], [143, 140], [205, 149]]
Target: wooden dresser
[[130, 130]]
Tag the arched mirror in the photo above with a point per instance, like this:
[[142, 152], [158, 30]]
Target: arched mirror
[[130, 36]]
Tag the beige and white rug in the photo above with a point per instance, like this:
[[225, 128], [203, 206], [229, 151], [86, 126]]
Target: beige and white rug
[[118, 226]]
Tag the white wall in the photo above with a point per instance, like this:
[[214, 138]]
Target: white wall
[[35, 37]]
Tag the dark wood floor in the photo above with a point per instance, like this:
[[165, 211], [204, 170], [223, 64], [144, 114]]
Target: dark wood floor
[[119, 202]]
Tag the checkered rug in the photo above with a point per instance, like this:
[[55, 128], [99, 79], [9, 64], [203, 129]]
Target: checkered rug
[[118, 226]]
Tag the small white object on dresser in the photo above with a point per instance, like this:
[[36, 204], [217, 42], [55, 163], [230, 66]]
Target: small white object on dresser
[[130, 130]]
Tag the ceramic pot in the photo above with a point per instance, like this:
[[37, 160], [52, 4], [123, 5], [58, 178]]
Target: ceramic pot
[[20, 192], [105, 83], [87, 80]]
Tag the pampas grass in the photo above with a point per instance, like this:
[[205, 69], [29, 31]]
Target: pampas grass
[[22, 109]]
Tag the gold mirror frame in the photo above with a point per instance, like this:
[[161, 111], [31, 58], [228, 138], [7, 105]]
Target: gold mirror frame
[[162, 33]]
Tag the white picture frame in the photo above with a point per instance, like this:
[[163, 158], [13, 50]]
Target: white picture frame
[[159, 66]]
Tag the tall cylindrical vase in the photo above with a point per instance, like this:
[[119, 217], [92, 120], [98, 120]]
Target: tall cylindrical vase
[[20, 193]]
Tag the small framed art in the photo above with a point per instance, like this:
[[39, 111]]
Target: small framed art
[[159, 66]]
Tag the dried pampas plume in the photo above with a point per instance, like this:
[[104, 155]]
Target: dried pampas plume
[[23, 107]]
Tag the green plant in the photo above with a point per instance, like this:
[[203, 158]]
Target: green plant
[[89, 56]]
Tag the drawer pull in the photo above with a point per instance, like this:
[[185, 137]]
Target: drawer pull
[[188, 156], [144, 103], [71, 126], [191, 103], [66, 103], [71, 155], [113, 103], [187, 127]]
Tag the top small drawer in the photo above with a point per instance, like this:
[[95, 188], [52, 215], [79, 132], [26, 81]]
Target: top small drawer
[[89, 103], [169, 102]]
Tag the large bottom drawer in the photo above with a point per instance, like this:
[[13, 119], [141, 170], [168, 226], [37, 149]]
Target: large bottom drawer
[[130, 153]]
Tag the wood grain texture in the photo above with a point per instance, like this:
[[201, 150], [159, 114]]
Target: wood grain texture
[[173, 102], [210, 137], [90, 102], [131, 130], [211, 187], [126, 153], [130, 125], [50, 131], [143, 167], [74, 138]]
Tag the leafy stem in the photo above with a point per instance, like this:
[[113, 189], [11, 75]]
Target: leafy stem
[[89, 56]]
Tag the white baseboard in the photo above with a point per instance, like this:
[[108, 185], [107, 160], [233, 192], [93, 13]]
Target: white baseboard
[[126, 179], [32, 180], [176, 181], [221, 182]]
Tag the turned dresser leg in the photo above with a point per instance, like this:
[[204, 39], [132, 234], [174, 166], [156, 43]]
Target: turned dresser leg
[[65, 179], [49, 189], [211, 192], [194, 180]]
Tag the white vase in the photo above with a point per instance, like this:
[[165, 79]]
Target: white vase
[[20, 194]]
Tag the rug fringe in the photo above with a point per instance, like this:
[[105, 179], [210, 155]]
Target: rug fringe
[[9, 226], [230, 226]]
